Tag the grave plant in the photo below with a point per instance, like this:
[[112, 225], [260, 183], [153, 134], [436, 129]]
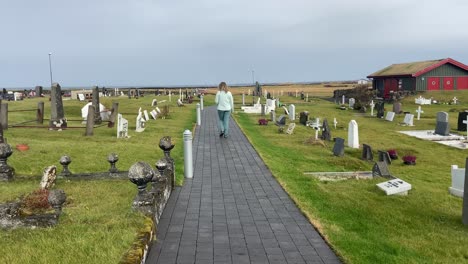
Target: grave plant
[[409, 160]]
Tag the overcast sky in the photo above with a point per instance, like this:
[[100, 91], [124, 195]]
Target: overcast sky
[[188, 42]]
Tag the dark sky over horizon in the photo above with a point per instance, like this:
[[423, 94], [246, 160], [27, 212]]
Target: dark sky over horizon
[[159, 43]]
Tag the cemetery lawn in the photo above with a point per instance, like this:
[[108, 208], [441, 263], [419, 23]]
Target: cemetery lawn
[[361, 223], [97, 224]]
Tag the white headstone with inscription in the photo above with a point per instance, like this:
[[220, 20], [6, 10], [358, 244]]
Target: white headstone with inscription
[[353, 134], [122, 127], [395, 186], [292, 112], [390, 116]]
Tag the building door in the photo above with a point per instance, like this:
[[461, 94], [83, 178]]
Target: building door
[[433, 83], [390, 85], [462, 83], [448, 83]]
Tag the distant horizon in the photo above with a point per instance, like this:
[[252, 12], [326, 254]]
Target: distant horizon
[[70, 87]]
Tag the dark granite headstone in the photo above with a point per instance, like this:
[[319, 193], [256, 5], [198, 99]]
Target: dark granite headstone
[[338, 148], [57, 115], [442, 117], [367, 152], [397, 107], [326, 135], [385, 157], [462, 117], [380, 168], [38, 91], [379, 106], [303, 117], [281, 120], [97, 112]]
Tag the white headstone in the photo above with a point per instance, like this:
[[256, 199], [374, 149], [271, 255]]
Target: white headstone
[[122, 127], [154, 102], [352, 101], [146, 115], [154, 114], [81, 97], [292, 112], [395, 186], [408, 119], [140, 123], [372, 105], [353, 134], [455, 100], [390, 116], [419, 111], [458, 181], [343, 99]]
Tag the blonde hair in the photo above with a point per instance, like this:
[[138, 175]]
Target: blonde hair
[[223, 86]]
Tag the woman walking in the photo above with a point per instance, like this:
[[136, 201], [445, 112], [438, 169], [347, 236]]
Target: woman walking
[[225, 104]]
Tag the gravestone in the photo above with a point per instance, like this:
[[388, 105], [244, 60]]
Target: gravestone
[[281, 120], [351, 101], [395, 186], [338, 148], [380, 169], [390, 116], [379, 106], [419, 111], [145, 113], [154, 102], [384, 157], [140, 122], [286, 112], [57, 115], [326, 135], [38, 90], [462, 116], [353, 134], [273, 116], [303, 117], [408, 121], [122, 127], [442, 126], [154, 114], [290, 129], [372, 105], [458, 181], [367, 152], [262, 107], [292, 112], [397, 107], [97, 110]]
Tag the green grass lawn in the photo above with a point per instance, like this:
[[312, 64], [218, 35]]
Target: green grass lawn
[[361, 223], [97, 224]]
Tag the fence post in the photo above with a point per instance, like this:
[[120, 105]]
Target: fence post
[[4, 116], [40, 113], [188, 159]]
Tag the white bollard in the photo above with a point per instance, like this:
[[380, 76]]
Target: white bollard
[[188, 158], [201, 102], [198, 115]]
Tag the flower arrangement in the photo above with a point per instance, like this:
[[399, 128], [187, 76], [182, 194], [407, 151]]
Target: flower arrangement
[[409, 160], [263, 122], [393, 154]]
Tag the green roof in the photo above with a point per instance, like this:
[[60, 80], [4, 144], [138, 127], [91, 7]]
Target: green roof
[[405, 68]]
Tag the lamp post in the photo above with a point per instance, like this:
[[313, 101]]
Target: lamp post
[[50, 68]]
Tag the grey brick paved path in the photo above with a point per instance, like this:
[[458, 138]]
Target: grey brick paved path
[[233, 210]]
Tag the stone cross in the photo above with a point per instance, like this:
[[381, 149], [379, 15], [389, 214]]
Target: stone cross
[[455, 100], [419, 111], [372, 105], [335, 122], [343, 99], [466, 122]]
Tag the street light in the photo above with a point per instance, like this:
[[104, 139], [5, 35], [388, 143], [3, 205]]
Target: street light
[[50, 68]]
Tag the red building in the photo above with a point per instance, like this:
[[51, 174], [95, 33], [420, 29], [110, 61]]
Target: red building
[[444, 74]]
